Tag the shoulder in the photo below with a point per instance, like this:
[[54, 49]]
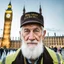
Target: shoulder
[[55, 55], [0, 62], [50, 50], [52, 53], [11, 58]]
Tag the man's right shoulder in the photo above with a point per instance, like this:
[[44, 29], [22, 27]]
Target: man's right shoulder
[[11, 57], [0, 61]]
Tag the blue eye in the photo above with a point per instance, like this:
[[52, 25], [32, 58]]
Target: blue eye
[[26, 30], [36, 30]]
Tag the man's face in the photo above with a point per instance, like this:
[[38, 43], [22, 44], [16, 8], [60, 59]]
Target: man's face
[[32, 45], [32, 34]]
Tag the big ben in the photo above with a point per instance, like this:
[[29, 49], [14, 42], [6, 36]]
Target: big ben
[[7, 26]]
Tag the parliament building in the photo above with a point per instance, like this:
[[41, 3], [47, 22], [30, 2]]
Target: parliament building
[[55, 41]]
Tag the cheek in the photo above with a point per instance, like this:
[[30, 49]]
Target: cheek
[[38, 37], [25, 37]]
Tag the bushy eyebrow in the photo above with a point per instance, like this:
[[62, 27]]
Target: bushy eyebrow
[[26, 29], [37, 28]]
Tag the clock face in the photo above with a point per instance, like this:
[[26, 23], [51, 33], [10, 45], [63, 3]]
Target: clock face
[[8, 15]]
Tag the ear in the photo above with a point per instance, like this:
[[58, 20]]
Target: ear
[[43, 35], [20, 32]]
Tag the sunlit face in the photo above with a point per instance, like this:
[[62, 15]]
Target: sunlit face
[[32, 34]]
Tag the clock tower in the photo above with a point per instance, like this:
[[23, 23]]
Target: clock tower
[[7, 26]]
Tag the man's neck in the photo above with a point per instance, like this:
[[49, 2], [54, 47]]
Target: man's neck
[[33, 60]]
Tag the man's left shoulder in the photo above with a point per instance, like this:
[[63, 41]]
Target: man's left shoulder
[[55, 56]]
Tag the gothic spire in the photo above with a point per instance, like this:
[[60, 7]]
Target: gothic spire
[[9, 6], [40, 10], [24, 10]]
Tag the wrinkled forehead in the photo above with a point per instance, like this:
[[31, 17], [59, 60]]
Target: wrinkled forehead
[[31, 25]]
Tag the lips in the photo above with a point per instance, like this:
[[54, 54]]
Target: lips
[[32, 43]]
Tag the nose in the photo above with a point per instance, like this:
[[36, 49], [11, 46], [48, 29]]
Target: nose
[[31, 36]]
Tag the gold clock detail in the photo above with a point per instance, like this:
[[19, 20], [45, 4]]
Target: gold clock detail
[[8, 15]]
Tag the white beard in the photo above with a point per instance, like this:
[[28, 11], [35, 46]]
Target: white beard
[[32, 53]]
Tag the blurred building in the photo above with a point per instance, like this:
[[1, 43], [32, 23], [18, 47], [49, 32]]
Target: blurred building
[[55, 41]]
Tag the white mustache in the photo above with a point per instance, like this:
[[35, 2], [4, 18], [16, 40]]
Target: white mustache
[[32, 42]]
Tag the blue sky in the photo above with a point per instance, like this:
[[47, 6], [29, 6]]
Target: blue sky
[[52, 10]]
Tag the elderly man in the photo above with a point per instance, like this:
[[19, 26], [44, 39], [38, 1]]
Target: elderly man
[[32, 50]]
